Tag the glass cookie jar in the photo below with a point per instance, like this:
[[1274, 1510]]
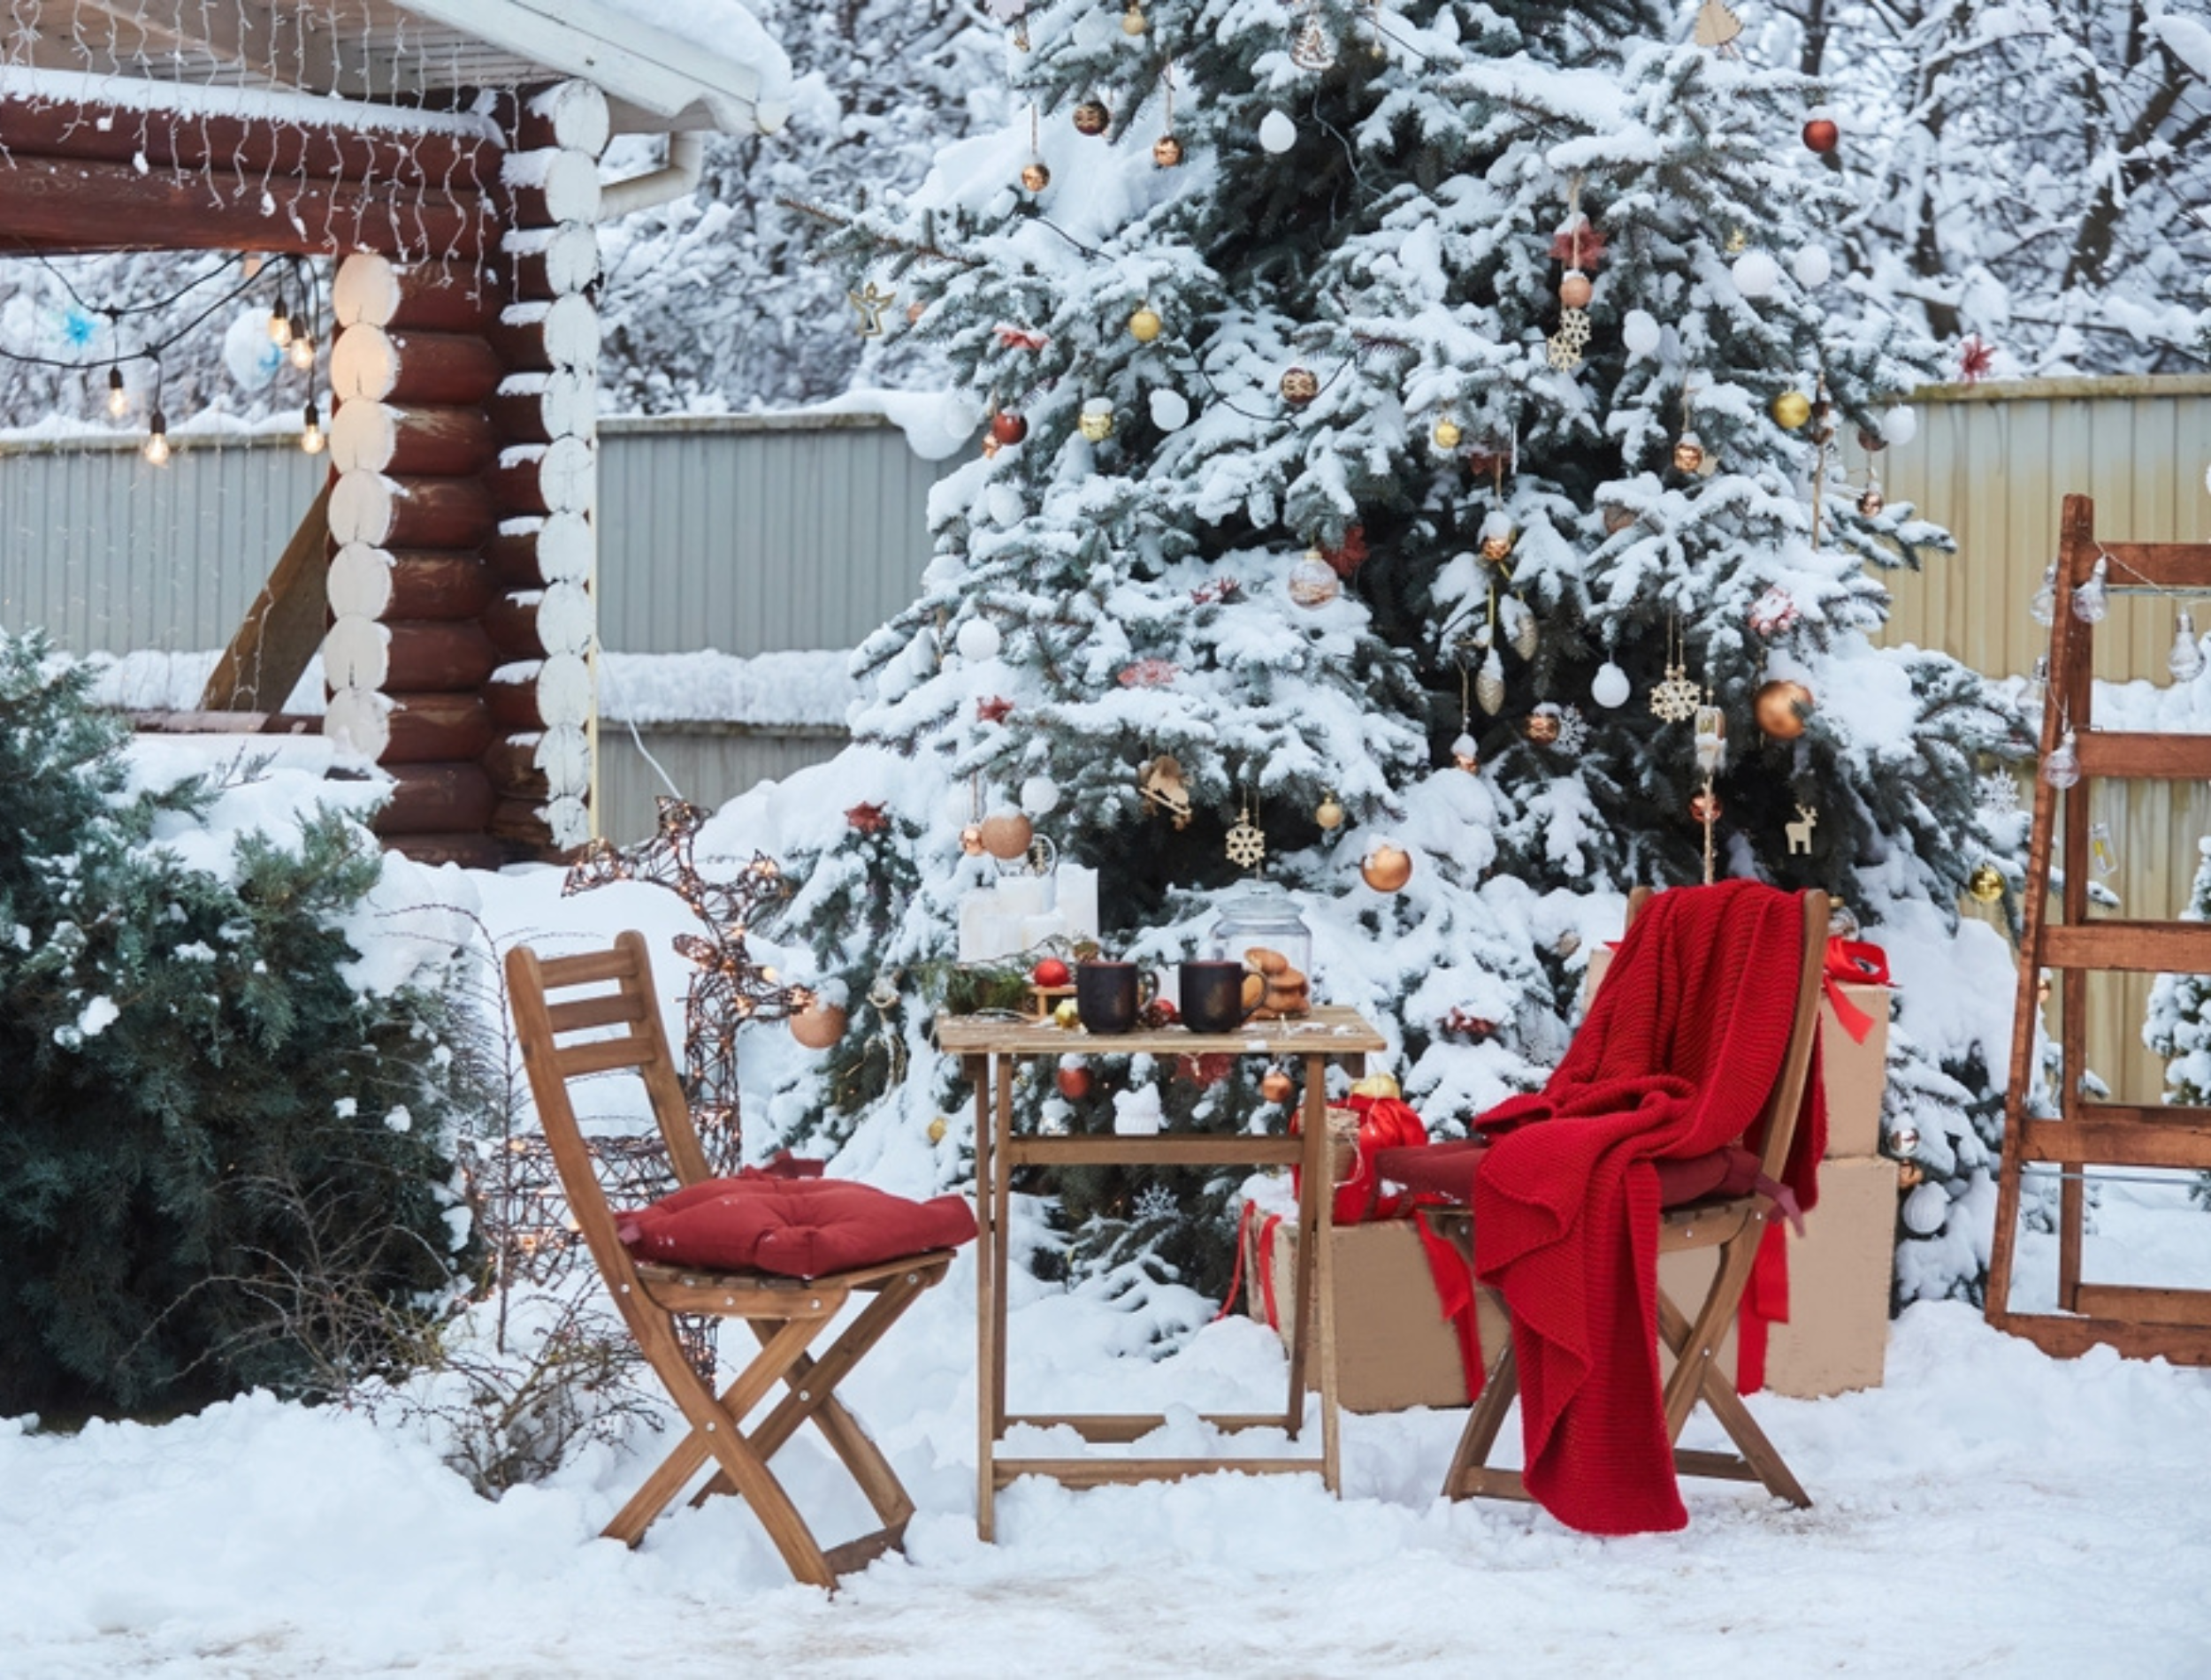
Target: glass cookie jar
[[1259, 915]]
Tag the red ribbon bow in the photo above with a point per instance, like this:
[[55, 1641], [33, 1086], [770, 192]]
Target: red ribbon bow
[[1856, 963]]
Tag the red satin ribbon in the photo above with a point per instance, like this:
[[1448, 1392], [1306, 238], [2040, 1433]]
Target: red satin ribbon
[[1852, 962]]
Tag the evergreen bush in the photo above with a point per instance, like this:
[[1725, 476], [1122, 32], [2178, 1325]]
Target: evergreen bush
[[205, 1128]]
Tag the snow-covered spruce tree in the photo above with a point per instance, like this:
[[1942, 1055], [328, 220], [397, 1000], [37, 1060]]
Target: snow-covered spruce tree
[[206, 1133], [1514, 317], [2178, 1025]]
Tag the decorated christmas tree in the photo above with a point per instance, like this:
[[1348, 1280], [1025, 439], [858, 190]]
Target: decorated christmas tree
[[1412, 474]]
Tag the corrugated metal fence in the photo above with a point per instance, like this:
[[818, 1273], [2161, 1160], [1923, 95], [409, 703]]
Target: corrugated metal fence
[[748, 534]]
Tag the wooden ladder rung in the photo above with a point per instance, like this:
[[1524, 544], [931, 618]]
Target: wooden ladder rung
[[2124, 754], [2148, 1306], [2112, 1134], [2129, 947], [2185, 566]]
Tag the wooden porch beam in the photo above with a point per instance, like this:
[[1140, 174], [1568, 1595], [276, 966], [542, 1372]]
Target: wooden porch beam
[[269, 655]]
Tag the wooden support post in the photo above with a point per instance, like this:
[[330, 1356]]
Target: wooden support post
[[269, 652]]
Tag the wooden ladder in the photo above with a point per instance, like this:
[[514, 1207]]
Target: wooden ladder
[[2137, 1321]]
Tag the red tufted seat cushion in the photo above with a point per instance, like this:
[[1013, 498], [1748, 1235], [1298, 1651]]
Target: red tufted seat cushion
[[794, 1227]]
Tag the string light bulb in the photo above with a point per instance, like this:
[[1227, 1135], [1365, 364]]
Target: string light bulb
[[156, 448], [299, 345], [118, 397], [2186, 661], [2090, 603], [2062, 768], [311, 438], [2044, 606], [2038, 682], [279, 322]]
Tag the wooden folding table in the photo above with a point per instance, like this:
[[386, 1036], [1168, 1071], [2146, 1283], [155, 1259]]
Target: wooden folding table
[[989, 1047]]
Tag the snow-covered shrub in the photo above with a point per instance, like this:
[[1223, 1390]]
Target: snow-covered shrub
[[206, 1129]]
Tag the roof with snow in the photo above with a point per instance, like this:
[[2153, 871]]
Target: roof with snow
[[663, 65]]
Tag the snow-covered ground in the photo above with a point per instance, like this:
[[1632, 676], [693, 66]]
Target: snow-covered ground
[[1987, 1510]]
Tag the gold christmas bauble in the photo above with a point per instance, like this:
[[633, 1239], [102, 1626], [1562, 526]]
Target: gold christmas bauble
[[1006, 835], [1276, 1085], [938, 1127], [1166, 152], [1144, 326], [1780, 707], [1986, 883], [1542, 729], [1574, 289], [1035, 177], [1096, 425], [1498, 545], [1329, 813], [818, 1025], [1689, 455], [1386, 867], [1132, 21], [1705, 807], [1446, 435], [1066, 1015], [1299, 387], [971, 839], [1791, 409], [1092, 118]]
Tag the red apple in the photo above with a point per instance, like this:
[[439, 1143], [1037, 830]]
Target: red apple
[[1051, 972]]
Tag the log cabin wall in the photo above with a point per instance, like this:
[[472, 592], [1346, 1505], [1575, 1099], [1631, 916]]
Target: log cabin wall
[[542, 617]]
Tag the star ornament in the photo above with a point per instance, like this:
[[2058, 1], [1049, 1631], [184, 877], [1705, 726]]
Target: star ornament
[[873, 303], [867, 819], [994, 710]]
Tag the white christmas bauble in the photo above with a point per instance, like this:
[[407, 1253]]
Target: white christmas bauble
[[1040, 796], [1756, 274], [1277, 132], [1813, 267], [1638, 331], [1900, 424], [2206, 478], [978, 640], [1925, 1208], [1170, 409], [1611, 686]]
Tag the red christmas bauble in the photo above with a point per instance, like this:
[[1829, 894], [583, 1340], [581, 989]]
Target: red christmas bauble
[[1074, 1082], [1007, 428], [1051, 972], [1822, 135]]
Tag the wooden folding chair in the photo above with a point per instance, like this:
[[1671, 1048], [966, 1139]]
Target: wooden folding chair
[[616, 1024], [1734, 1225]]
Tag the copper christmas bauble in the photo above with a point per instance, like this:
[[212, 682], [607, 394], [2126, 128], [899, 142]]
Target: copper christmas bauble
[[1688, 455], [1144, 326], [1299, 387], [1007, 428], [1006, 835], [1791, 409], [1705, 807], [1780, 707], [1497, 546], [1871, 503], [1166, 152], [1276, 1085], [1986, 883], [1035, 177], [1542, 729], [1821, 134], [1386, 867], [1092, 118], [1617, 519], [1446, 435], [1574, 289], [971, 839], [1313, 582], [1329, 813], [818, 1025], [1074, 1082]]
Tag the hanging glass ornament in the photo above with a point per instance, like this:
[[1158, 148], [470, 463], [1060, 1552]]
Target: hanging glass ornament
[[1791, 409], [1688, 454], [1489, 684], [2044, 606], [1312, 581], [1446, 436], [1871, 503], [2186, 661], [1299, 387], [2090, 602], [1166, 152], [2061, 768], [1780, 707], [1096, 422], [1497, 537], [2037, 687], [2103, 854], [1092, 118], [1144, 324], [1985, 883], [1544, 725]]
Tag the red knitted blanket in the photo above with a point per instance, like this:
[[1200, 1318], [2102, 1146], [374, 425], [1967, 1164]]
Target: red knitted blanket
[[1680, 1047]]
